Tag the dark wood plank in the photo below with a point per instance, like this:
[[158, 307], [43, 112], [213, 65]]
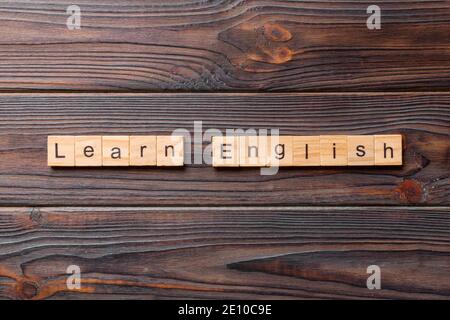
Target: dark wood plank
[[226, 45], [225, 252], [26, 120]]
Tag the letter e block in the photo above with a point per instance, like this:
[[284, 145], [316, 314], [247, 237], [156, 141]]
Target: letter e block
[[388, 150], [306, 151], [170, 151], [333, 151], [361, 150], [88, 151], [116, 151], [61, 151], [225, 151], [142, 150]]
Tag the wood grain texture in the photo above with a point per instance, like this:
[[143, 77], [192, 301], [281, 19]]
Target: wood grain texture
[[225, 44], [225, 253], [27, 120]]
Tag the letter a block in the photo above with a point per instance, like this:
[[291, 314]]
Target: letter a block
[[61, 151], [388, 150], [170, 151], [225, 151], [116, 151], [88, 151]]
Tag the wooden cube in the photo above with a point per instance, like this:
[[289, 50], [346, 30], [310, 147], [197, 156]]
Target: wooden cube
[[61, 151], [116, 151], [361, 150], [170, 151], [333, 151], [388, 150], [253, 151], [281, 151], [142, 150], [88, 151], [306, 151], [225, 151]]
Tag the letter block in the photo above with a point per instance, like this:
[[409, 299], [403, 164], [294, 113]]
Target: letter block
[[225, 151], [333, 151], [61, 151], [388, 150], [116, 151], [361, 150], [280, 151], [169, 151], [306, 151], [88, 151], [142, 150], [253, 151]]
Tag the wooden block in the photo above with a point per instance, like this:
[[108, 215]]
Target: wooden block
[[225, 151], [253, 151], [116, 151], [88, 151], [61, 151], [388, 150], [333, 151], [361, 150], [142, 150], [170, 151], [281, 151], [306, 151]]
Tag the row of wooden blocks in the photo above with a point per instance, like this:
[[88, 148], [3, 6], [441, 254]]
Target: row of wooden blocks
[[228, 151]]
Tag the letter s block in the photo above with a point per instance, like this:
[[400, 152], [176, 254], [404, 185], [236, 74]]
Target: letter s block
[[225, 151]]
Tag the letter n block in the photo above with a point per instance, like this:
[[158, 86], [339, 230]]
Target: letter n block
[[169, 151], [388, 150], [116, 151], [142, 150], [88, 151], [61, 151], [225, 151], [253, 151]]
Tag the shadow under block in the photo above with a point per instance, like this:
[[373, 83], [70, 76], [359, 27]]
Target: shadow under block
[[170, 151], [306, 151], [333, 151], [388, 150], [88, 151], [61, 151], [225, 151], [361, 150], [253, 151], [116, 151], [142, 150]]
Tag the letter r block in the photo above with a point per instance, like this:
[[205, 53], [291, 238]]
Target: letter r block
[[142, 150], [61, 151], [225, 151]]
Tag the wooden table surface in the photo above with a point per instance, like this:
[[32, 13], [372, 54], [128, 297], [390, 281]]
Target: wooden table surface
[[149, 67]]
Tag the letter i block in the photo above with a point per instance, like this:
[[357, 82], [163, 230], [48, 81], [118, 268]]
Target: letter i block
[[333, 151], [142, 150], [61, 151], [116, 151], [388, 150], [88, 151], [361, 150], [170, 151], [225, 151], [280, 151], [253, 151]]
